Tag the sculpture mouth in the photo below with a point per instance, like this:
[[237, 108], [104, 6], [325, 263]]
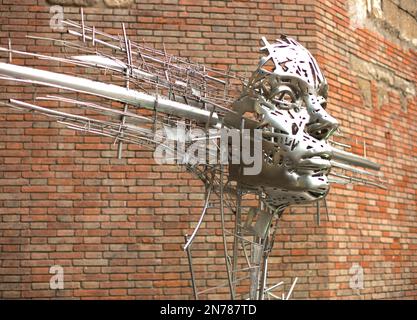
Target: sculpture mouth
[[315, 170], [317, 195]]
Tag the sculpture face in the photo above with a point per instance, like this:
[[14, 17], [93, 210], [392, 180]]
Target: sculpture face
[[287, 98]]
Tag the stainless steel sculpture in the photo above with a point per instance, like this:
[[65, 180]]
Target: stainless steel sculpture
[[285, 99]]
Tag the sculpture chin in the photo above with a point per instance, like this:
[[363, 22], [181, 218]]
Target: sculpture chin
[[283, 186]]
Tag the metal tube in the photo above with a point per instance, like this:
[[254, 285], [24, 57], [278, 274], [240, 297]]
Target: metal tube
[[109, 91], [354, 159], [350, 168]]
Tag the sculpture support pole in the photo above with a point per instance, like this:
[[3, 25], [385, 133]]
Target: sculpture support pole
[[226, 255], [190, 263], [255, 270], [236, 238], [265, 254]]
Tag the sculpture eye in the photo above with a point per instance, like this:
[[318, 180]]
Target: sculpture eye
[[284, 99]]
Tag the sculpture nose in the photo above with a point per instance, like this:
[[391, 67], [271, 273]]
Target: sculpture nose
[[321, 125]]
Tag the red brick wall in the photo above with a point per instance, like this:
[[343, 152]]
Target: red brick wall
[[117, 226], [375, 228]]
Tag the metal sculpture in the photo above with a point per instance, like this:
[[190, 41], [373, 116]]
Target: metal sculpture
[[284, 101]]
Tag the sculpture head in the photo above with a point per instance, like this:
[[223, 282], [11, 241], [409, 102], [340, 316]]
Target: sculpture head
[[286, 98]]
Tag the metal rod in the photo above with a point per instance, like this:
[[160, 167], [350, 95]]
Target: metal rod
[[222, 285], [327, 209], [274, 286], [103, 110], [237, 233], [10, 50], [82, 23], [72, 32], [364, 181], [191, 239], [340, 144], [354, 159], [190, 263], [350, 168], [48, 111], [264, 276], [66, 115], [245, 252], [291, 289], [318, 212], [128, 72], [244, 239], [274, 296], [254, 273], [229, 275]]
